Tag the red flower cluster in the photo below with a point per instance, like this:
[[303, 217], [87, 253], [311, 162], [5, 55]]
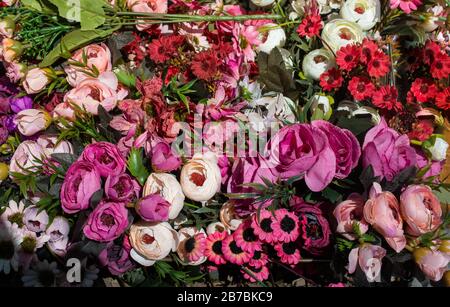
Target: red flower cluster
[[162, 49], [386, 98], [437, 59], [443, 99], [310, 26], [205, 65], [331, 79], [424, 90], [361, 88]]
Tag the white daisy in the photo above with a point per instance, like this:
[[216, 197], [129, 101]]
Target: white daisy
[[41, 274], [14, 213], [10, 238]]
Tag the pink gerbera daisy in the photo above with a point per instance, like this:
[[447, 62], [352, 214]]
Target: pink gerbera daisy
[[286, 226], [406, 6], [246, 239], [258, 260], [233, 253], [263, 226], [289, 253], [255, 274], [193, 248], [213, 247]]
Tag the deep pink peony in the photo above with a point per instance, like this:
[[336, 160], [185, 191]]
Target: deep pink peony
[[164, 159], [107, 222], [153, 208], [303, 150], [387, 151], [121, 188], [81, 182], [106, 157]]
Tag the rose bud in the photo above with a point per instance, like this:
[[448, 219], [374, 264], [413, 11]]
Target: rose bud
[[122, 188], [145, 6], [31, 121], [200, 177], [348, 213], [316, 62], [432, 263], [163, 158], [7, 26], [28, 156], [153, 208], [369, 258], [15, 71], [12, 49], [36, 80], [65, 111], [438, 150]]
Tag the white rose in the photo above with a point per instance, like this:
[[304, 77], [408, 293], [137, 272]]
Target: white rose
[[262, 3], [366, 13], [152, 241], [439, 149], [316, 62], [275, 37], [168, 187], [185, 238], [200, 178], [340, 32]]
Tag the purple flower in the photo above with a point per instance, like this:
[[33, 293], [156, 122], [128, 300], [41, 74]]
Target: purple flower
[[153, 208], [20, 104], [117, 257], [121, 188], [4, 133], [435, 166]]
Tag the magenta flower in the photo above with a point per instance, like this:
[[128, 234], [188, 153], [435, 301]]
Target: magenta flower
[[406, 6]]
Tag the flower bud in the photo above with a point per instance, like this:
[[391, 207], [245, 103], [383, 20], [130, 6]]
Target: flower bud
[[439, 148], [7, 26], [12, 49], [36, 80], [4, 169], [32, 121]]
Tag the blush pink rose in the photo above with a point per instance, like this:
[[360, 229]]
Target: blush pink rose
[[432, 263], [147, 6], [369, 258], [349, 213], [35, 81], [420, 209], [382, 211], [107, 222], [106, 157], [31, 121], [96, 55], [64, 110]]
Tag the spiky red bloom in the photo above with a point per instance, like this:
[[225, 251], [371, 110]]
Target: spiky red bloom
[[440, 68], [361, 88], [443, 99], [379, 65], [310, 26], [348, 57], [421, 131], [331, 79], [164, 48], [423, 89], [368, 49], [205, 65], [386, 98], [431, 50]]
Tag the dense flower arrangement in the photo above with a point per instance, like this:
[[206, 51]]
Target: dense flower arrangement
[[174, 142]]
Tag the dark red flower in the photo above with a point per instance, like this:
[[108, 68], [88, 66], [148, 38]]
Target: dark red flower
[[348, 56], [361, 88], [443, 99], [368, 49], [310, 26], [164, 48], [423, 89], [386, 98], [430, 51], [205, 65], [421, 131], [440, 68], [331, 79], [379, 65]]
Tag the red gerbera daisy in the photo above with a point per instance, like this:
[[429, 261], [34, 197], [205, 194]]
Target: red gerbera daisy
[[164, 48], [288, 252], [361, 88], [379, 65], [263, 226], [368, 49], [310, 26], [386, 98], [423, 89], [233, 253], [348, 56], [440, 68], [421, 131], [331, 79], [258, 260], [260, 274], [285, 228], [205, 65], [430, 51], [213, 247], [443, 99], [246, 239]]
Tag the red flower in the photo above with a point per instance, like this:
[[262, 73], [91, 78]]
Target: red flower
[[424, 90], [205, 65], [361, 88], [331, 79], [431, 50], [421, 131], [164, 48], [368, 49], [347, 57], [386, 98], [443, 99], [310, 26], [379, 64], [441, 66]]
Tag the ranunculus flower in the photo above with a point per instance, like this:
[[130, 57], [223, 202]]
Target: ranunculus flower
[[316, 62], [58, 233], [369, 257], [349, 213], [35, 220], [345, 146], [303, 150], [121, 188], [35, 81], [169, 188], [117, 258], [81, 182], [274, 37], [382, 211], [31, 121], [97, 55], [26, 156], [153, 208], [387, 151], [200, 178], [106, 157], [164, 159], [432, 263], [340, 32], [147, 6], [92, 92], [366, 13], [107, 222], [152, 241], [420, 209]]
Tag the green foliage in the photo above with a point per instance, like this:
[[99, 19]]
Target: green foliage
[[89, 13], [136, 165], [164, 270], [176, 93], [344, 245]]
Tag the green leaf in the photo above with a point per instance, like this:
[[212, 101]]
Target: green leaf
[[34, 4], [89, 13], [136, 165]]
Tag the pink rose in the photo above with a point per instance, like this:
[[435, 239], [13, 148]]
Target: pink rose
[[432, 263], [153, 208], [369, 258], [117, 258], [96, 55], [387, 151], [92, 92], [35, 80], [345, 146], [164, 159], [107, 222], [106, 157], [64, 110], [349, 213], [121, 188], [435, 167], [382, 211], [303, 150], [15, 71], [81, 182], [147, 6], [31, 121], [420, 209]]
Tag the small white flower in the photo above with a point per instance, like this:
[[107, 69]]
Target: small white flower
[[10, 238], [366, 13], [439, 149], [262, 3], [13, 213]]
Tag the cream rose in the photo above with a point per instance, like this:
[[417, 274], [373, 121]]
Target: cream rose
[[366, 13], [35, 81], [317, 62], [200, 178], [340, 32]]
